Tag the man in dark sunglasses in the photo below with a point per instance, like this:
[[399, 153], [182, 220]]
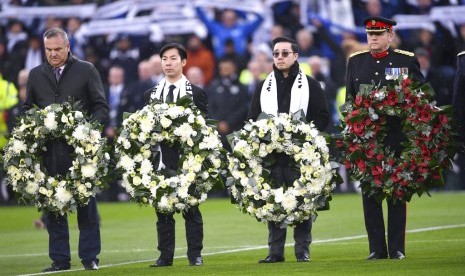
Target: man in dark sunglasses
[[288, 90]]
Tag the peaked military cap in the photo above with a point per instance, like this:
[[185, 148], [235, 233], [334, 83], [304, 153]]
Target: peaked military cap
[[378, 24]]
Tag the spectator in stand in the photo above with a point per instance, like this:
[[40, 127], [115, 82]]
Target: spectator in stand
[[195, 76], [317, 65], [364, 8], [287, 14], [16, 47], [157, 69], [34, 55], [227, 100], [134, 96], [306, 43], [77, 42], [230, 53], [100, 63], [201, 57], [277, 30], [260, 65], [126, 56], [229, 29], [114, 92], [441, 86], [251, 77], [116, 98]]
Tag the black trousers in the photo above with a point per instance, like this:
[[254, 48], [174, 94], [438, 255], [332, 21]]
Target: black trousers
[[57, 160], [194, 233], [282, 173], [89, 234], [374, 223]]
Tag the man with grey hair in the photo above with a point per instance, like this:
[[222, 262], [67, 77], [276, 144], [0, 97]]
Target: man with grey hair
[[62, 77]]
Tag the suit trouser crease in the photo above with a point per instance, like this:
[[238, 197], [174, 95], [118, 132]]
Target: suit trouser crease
[[194, 234], [282, 173], [374, 223], [89, 234]]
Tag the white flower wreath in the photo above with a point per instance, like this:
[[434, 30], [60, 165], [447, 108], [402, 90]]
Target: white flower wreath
[[179, 124], [250, 184], [23, 158]]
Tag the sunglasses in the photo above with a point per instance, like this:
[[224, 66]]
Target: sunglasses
[[284, 54]]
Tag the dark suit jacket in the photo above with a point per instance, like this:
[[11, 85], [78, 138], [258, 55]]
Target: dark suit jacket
[[80, 81], [171, 154], [363, 69]]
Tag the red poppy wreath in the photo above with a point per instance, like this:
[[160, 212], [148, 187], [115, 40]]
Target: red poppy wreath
[[426, 151]]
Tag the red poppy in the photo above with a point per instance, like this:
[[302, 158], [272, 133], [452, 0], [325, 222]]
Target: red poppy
[[425, 116], [359, 128]]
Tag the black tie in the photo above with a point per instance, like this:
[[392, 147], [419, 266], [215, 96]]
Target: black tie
[[57, 72], [170, 96]]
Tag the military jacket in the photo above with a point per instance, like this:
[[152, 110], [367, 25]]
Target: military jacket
[[363, 68]]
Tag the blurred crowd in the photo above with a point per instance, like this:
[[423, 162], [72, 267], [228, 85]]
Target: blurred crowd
[[231, 57]]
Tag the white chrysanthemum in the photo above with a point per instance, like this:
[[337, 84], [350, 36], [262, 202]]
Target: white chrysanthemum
[[175, 111], [126, 163], [94, 136], [184, 131], [62, 194], [146, 166], [80, 133], [289, 202], [210, 141], [320, 143], [50, 122], [18, 146], [88, 170], [146, 124]]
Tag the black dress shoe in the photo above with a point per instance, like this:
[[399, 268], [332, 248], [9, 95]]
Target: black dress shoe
[[303, 258], [162, 262], [398, 255], [92, 265], [197, 261], [376, 256], [271, 259], [57, 267]]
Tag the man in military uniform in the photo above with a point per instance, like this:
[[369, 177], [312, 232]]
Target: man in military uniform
[[381, 65], [459, 99], [459, 113]]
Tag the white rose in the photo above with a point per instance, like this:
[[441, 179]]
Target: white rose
[[165, 122]]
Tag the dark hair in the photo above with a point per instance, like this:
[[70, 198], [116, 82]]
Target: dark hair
[[181, 50], [294, 46], [56, 32]]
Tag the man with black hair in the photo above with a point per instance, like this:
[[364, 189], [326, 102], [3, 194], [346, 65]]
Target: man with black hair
[[174, 86], [288, 90]]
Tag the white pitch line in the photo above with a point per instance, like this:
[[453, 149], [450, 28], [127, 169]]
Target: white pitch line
[[242, 249]]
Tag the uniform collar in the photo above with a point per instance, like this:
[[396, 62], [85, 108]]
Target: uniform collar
[[380, 55]]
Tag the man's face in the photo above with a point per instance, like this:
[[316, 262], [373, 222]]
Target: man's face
[[172, 64], [379, 42], [286, 57], [56, 50]]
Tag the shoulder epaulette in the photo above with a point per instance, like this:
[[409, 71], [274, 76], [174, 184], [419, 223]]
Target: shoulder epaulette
[[461, 53], [407, 53], [358, 53]]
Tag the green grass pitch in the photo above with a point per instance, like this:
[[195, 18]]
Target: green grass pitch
[[234, 242]]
